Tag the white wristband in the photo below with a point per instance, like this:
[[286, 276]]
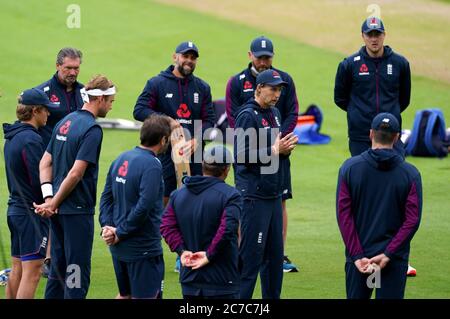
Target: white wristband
[[47, 190]]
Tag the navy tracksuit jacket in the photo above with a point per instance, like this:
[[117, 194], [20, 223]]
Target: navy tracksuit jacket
[[68, 102], [132, 201], [203, 215], [241, 88], [379, 205], [23, 151], [366, 86], [184, 100], [258, 179]]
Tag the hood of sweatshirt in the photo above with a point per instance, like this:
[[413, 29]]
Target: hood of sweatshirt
[[384, 159], [198, 184], [11, 130]]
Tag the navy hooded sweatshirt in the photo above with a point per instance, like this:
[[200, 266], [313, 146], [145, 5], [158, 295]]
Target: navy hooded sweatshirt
[[68, 102], [366, 86], [378, 204], [241, 88], [23, 151], [132, 201], [184, 100], [203, 215], [256, 170]]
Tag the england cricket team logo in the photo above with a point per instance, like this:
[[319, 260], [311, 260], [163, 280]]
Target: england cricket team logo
[[389, 69]]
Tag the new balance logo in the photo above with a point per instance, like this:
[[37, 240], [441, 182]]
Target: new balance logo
[[169, 95], [120, 180]]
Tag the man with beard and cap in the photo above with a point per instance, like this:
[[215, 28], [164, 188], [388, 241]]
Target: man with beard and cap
[[201, 224], [240, 89], [179, 94], [29, 232], [185, 98], [69, 173], [379, 207], [130, 213], [373, 80]]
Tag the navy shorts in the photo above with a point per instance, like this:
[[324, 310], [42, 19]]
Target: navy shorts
[[143, 278], [286, 186], [29, 236]]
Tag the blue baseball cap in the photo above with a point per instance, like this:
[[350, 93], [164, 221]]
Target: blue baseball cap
[[217, 155], [270, 77], [386, 122], [261, 46], [36, 97], [372, 24], [187, 46]]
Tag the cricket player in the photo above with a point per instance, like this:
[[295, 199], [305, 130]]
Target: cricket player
[[379, 207], [201, 224], [258, 147], [241, 87], [373, 80], [29, 232], [176, 92], [131, 207], [68, 174], [63, 89]]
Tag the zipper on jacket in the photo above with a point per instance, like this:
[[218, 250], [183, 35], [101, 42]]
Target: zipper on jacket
[[68, 101], [377, 88]]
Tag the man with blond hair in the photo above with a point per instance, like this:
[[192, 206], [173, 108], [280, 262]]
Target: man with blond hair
[[29, 232], [68, 174]]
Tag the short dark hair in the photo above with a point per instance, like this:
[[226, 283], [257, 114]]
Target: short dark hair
[[68, 53], [384, 137], [213, 170], [154, 129]]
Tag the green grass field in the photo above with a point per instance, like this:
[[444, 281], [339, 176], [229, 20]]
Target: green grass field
[[132, 41]]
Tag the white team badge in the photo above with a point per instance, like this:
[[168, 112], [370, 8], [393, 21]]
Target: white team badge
[[195, 97], [389, 69]]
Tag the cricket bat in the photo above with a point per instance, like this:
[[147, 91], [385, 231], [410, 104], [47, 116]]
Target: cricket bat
[[180, 160]]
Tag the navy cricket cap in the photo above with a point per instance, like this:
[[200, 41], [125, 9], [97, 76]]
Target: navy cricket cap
[[261, 46], [36, 97], [270, 77], [187, 46], [217, 155], [372, 24], [385, 122]]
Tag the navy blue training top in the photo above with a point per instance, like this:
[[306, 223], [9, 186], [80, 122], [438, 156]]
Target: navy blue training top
[[378, 204], [203, 215], [68, 102], [76, 137], [23, 150], [132, 201]]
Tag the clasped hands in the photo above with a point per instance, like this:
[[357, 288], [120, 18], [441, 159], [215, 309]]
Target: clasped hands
[[194, 260], [369, 266], [47, 209]]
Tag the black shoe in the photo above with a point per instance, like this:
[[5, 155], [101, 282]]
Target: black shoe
[[46, 268]]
